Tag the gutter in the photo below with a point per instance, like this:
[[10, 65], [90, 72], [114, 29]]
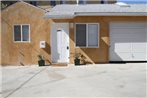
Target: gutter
[[48, 16], [110, 14]]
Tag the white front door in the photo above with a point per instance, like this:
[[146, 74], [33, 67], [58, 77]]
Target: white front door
[[60, 42], [128, 41]]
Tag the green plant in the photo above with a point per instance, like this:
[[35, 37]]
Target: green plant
[[83, 58], [77, 59], [41, 61]]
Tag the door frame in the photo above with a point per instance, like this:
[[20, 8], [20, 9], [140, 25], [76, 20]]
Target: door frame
[[51, 43]]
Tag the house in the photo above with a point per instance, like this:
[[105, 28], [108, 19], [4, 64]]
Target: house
[[22, 29], [51, 3], [101, 33]]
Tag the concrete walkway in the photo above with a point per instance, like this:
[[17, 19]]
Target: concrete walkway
[[101, 80]]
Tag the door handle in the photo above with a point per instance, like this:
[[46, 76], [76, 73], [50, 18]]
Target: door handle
[[67, 47]]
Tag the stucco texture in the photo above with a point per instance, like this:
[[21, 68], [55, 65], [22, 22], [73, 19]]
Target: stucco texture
[[26, 53], [101, 54]]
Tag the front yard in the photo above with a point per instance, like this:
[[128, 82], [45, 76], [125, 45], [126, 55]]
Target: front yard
[[100, 80]]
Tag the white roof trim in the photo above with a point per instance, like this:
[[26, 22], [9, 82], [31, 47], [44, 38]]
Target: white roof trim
[[71, 11], [110, 14], [94, 14], [58, 17]]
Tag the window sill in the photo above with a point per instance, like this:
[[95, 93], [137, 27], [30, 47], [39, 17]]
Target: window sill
[[22, 41], [88, 47]]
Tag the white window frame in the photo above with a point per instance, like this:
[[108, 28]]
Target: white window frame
[[21, 34], [87, 35]]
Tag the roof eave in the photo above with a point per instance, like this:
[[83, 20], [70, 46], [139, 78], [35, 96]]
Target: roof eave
[[58, 17], [110, 14], [93, 14]]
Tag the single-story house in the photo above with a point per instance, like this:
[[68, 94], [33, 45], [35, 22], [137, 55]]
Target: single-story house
[[99, 32], [22, 29]]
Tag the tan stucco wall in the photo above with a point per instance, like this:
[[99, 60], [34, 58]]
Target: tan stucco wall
[[92, 55], [24, 53], [101, 54], [0, 40]]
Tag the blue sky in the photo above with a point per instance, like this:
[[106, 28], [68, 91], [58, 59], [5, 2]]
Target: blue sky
[[133, 1]]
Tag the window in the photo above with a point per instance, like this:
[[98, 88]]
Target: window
[[62, 2], [21, 33], [33, 3], [17, 33], [92, 35], [82, 1], [81, 35], [53, 3], [87, 35]]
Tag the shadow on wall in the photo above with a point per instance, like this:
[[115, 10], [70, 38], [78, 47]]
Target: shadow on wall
[[95, 55], [23, 53], [91, 55], [48, 51], [116, 52]]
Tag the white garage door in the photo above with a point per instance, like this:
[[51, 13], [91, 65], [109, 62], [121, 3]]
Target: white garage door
[[128, 41]]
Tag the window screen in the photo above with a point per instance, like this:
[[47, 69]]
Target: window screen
[[92, 35], [25, 32], [81, 35], [17, 33], [53, 2], [87, 35], [21, 33], [82, 1], [62, 2]]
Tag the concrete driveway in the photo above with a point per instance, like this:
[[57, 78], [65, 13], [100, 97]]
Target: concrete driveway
[[100, 80]]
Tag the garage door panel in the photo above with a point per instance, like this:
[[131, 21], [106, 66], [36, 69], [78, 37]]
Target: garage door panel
[[121, 33], [128, 25], [128, 33], [128, 41], [122, 47], [121, 56], [139, 56], [125, 56], [120, 40], [139, 33], [139, 47]]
